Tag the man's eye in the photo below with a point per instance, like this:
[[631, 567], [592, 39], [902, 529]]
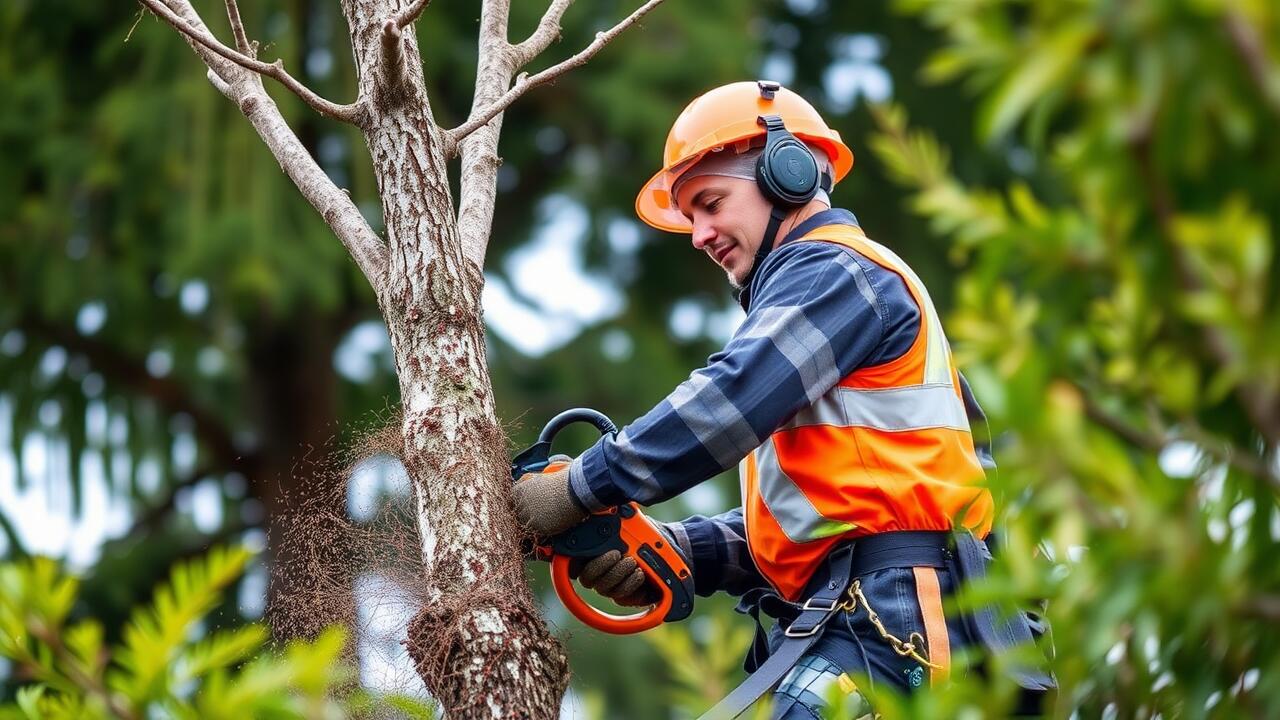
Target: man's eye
[[713, 205]]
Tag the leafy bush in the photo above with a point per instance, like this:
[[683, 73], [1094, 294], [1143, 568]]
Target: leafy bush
[[166, 665]]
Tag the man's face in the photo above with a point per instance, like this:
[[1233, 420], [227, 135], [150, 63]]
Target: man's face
[[729, 217]]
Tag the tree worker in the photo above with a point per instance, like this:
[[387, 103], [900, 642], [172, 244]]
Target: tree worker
[[863, 502]]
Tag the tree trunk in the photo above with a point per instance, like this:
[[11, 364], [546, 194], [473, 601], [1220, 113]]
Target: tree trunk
[[480, 644]]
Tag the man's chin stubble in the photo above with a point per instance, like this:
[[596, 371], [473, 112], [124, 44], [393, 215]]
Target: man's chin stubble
[[734, 282]]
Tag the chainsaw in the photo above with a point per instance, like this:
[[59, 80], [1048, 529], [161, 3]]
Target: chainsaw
[[623, 528]]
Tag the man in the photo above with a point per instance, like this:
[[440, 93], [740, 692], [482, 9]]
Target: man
[[837, 395]]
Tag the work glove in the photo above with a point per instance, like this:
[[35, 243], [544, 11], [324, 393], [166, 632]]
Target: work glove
[[620, 578], [544, 504]]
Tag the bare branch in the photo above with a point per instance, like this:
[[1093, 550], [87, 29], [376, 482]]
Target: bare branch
[[411, 13], [244, 87], [346, 113], [1251, 50], [393, 64], [525, 82], [219, 84], [333, 203], [1221, 450], [237, 29], [496, 63], [547, 32]]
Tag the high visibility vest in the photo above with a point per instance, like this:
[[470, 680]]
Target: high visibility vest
[[888, 448]]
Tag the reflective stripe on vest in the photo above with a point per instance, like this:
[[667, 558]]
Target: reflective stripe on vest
[[798, 518], [892, 409]]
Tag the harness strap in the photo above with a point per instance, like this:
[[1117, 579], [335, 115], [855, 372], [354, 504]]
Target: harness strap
[[804, 622], [902, 548], [810, 618], [1002, 632], [925, 551]]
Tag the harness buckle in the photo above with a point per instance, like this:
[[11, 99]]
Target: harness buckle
[[791, 632], [831, 605]]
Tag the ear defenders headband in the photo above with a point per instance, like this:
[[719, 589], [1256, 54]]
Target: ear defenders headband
[[786, 171]]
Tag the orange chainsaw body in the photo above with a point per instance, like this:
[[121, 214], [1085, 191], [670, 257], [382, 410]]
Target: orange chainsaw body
[[623, 528]]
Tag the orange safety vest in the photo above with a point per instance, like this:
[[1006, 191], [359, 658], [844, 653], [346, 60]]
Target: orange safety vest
[[888, 448]]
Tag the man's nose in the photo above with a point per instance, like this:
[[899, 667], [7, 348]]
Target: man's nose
[[702, 234]]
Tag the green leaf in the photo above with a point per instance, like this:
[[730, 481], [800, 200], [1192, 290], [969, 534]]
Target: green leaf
[[156, 635], [84, 641], [222, 650], [1049, 61], [28, 699]]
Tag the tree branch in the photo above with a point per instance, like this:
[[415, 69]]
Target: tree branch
[[219, 84], [411, 13], [94, 685], [244, 87], [525, 82], [346, 113], [1251, 50], [479, 177], [547, 32], [237, 29], [393, 63], [1156, 442]]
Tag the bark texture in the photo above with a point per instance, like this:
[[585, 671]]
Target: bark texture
[[479, 644]]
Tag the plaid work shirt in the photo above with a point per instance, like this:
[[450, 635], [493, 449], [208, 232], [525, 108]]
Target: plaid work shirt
[[818, 311]]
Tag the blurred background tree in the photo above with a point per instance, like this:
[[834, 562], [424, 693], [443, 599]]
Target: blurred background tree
[[182, 343]]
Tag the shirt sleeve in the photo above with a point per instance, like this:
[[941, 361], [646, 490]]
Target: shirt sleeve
[[716, 548], [820, 311]]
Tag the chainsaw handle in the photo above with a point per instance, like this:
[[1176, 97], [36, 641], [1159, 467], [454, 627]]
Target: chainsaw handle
[[574, 415], [626, 529], [598, 619], [623, 528]]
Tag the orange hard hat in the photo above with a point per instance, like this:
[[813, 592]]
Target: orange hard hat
[[724, 116]]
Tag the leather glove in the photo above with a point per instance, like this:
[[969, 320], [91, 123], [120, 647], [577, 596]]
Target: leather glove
[[620, 578], [544, 504]]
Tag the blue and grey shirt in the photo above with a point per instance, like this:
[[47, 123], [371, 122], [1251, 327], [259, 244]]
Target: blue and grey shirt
[[818, 312]]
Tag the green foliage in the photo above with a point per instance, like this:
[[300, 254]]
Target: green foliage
[[1119, 312], [703, 663], [168, 664]]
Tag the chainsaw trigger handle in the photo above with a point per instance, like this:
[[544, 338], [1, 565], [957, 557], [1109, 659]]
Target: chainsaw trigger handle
[[599, 619], [627, 530]]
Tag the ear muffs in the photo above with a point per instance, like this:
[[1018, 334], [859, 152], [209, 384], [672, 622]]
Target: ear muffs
[[786, 172]]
